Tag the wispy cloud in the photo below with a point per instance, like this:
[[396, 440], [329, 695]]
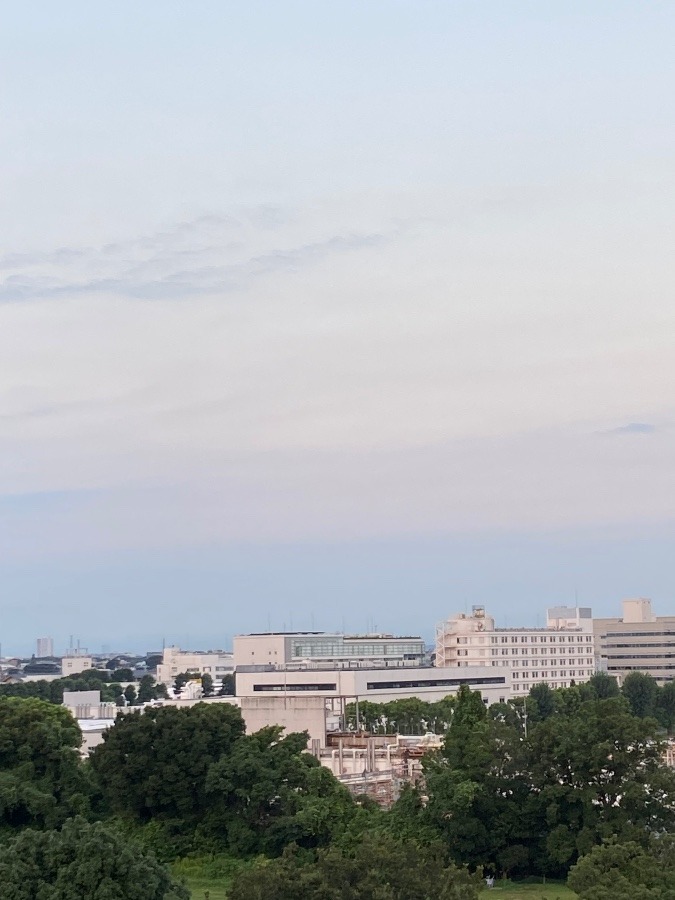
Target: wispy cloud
[[212, 254], [633, 428]]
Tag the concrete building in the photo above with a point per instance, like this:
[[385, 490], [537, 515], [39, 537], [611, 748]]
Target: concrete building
[[302, 713], [45, 647], [639, 641], [216, 663], [559, 654], [75, 662], [319, 649], [340, 686]]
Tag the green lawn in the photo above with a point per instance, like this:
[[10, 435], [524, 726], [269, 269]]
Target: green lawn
[[552, 890], [200, 887]]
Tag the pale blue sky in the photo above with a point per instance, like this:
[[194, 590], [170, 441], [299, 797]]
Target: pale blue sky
[[309, 305]]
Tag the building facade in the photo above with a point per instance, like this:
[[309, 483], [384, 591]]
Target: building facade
[[216, 663], [379, 685], [639, 641], [76, 662], [45, 647], [320, 649], [560, 654]]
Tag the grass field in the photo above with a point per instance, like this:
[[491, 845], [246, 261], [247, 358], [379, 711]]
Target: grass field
[[552, 890], [202, 888]]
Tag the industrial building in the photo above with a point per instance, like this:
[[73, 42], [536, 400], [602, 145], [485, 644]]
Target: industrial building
[[303, 649], [560, 654], [639, 641], [216, 663]]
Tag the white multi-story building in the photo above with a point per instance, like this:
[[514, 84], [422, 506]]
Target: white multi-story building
[[319, 649], [560, 654], [639, 641], [45, 647], [216, 663]]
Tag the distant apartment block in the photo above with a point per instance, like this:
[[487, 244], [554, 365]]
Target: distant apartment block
[[319, 649], [45, 647], [639, 641], [75, 662], [216, 663], [560, 654]]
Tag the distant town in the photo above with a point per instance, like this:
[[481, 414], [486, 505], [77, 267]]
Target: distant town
[[314, 681]]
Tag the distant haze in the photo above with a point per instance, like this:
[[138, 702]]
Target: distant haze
[[333, 315]]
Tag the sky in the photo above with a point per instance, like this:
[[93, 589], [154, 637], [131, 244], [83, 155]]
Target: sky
[[332, 316]]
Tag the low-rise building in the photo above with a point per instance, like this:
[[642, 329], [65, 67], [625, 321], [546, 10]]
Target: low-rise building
[[560, 654], [216, 663], [380, 685], [75, 662], [303, 649], [639, 641]]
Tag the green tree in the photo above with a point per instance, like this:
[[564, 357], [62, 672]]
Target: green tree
[[379, 868], [227, 688], [641, 691], [268, 792], [122, 675], [629, 871], [41, 778], [599, 773], [130, 694], [180, 681], [207, 685], [146, 689], [541, 703], [665, 706], [600, 686], [82, 860], [154, 764]]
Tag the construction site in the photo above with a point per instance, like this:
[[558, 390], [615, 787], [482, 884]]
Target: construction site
[[376, 766]]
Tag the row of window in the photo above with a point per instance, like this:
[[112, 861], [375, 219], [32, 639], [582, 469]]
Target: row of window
[[531, 639], [328, 647], [384, 685], [537, 651], [573, 673]]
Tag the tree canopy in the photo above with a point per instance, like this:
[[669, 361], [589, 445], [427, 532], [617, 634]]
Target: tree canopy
[[82, 860]]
